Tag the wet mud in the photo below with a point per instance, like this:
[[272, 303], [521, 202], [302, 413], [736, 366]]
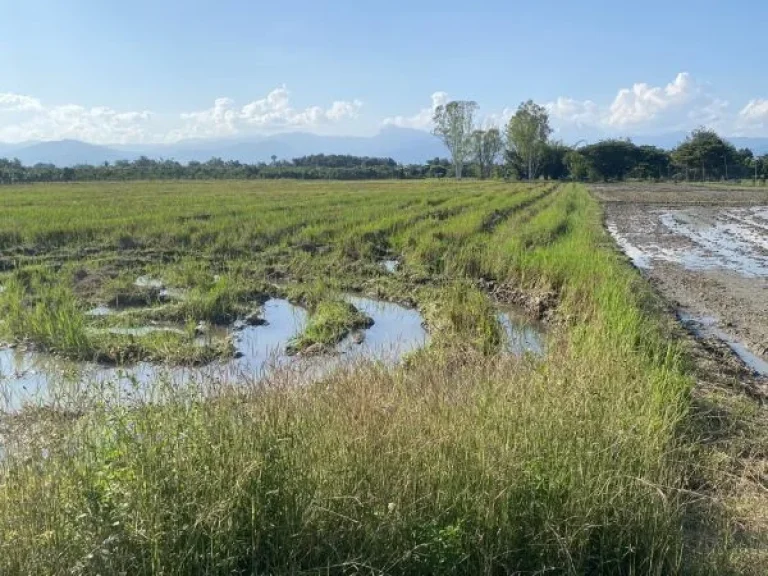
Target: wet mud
[[708, 258]]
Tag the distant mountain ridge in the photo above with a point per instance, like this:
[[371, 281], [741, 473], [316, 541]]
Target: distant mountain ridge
[[404, 145]]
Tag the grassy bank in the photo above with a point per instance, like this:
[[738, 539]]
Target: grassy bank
[[463, 462]]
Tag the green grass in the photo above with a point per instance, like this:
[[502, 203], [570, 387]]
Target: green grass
[[48, 314], [463, 461], [329, 322]]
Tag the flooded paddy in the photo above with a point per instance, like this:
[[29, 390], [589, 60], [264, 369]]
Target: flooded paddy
[[260, 353], [697, 238], [707, 257]]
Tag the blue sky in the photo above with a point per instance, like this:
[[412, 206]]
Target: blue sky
[[164, 70]]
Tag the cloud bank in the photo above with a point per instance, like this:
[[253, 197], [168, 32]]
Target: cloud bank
[[682, 104], [642, 108], [24, 118]]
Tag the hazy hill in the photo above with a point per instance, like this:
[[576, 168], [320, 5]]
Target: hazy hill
[[404, 145]]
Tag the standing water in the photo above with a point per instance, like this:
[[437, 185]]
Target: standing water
[[27, 376]]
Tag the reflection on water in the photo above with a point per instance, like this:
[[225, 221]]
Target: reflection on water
[[391, 266], [261, 352], [521, 336], [706, 327], [733, 239], [396, 331]]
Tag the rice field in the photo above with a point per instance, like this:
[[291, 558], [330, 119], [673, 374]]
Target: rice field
[[460, 458]]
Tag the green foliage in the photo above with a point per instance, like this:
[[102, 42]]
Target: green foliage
[[706, 152], [528, 132], [463, 316], [40, 307], [453, 124], [487, 145], [315, 167], [611, 159], [46, 313], [330, 321], [465, 461]]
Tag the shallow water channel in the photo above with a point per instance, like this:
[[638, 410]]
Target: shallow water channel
[[261, 354], [707, 327]]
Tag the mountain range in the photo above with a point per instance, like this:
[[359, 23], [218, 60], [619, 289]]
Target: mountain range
[[402, 144]]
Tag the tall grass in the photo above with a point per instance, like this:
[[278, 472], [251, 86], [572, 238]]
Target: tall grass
[[53, 318], [463, 462], [47, 314]]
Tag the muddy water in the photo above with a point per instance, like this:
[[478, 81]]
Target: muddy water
[[261, 353], [733, 239], [710, 262], [707, 326], [521, 336]]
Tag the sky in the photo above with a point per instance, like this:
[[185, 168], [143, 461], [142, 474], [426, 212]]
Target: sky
[[161, 71]]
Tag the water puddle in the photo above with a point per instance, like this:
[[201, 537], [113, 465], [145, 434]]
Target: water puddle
[[260, 352], [706, 327], [391, 266], [100, 311], [640, 258], [27, 376], [396, 331], [142, 330], [729, 241], [149, 282], [521, 336]]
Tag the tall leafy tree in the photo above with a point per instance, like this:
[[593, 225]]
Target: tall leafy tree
[[553, 163], [453, 124], [577, 165], [486, 145], [651, 163], [610, 159], [705, 152], [527, 136]]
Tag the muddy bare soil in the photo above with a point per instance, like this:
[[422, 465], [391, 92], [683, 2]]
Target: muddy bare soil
[[705, 249]]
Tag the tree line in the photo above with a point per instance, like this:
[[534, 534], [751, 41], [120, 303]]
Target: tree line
[[314, 167], [523, 149]]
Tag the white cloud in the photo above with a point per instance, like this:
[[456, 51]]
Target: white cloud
[[682, 104], [98, 125], [711, 112], [752, 119], [579, 113], [18, 103], [26, 118], [340, 110], [643, 103], [755, 110], [218, 121], [273, 112], [421, 120]]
